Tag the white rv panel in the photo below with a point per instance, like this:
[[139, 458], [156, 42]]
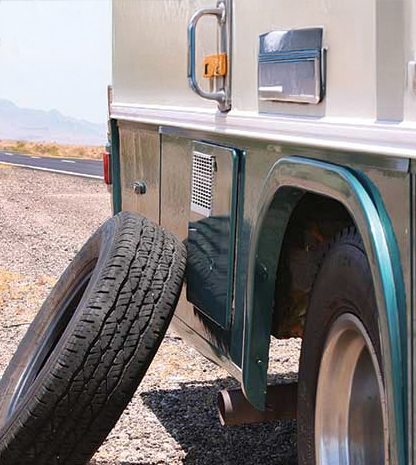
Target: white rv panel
[[150, 51], [350, 39], [369, 73]]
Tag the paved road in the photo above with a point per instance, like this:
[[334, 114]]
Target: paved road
[[74, 166]]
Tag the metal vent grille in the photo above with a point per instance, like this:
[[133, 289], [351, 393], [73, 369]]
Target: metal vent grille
[[203, 177]]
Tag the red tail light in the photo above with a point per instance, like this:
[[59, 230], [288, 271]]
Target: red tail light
[[107, 168]]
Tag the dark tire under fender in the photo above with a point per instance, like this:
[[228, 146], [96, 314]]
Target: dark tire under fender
[[342, 415], [90, 345]]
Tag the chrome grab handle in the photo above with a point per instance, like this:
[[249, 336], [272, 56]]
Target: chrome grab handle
[[220, 13]]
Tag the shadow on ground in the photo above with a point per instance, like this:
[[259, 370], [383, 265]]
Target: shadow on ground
[[189, 415]]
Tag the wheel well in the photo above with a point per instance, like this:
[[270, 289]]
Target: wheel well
[[313, 222]]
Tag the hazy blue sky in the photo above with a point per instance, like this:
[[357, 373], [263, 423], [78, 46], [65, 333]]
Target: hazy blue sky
[[56, 54]]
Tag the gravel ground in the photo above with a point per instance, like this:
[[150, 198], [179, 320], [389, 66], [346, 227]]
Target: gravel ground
[[44, 219]]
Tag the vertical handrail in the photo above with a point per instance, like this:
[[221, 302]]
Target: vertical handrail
[[220, 95]]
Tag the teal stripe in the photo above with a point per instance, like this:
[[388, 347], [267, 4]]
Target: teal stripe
[[115, 166]]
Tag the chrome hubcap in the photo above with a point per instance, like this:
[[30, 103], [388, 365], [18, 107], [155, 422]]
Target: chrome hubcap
[[350, 417]]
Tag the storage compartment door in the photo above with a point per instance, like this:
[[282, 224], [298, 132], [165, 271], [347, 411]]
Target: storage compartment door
[[212, 229]]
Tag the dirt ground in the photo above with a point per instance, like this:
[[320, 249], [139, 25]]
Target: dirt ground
[[51, 149], [44, 219]]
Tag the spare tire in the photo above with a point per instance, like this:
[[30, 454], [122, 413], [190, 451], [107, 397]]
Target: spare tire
[[90, 345]]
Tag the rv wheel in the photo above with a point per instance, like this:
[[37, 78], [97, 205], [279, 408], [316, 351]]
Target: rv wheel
[[341, 398], [90, 344]]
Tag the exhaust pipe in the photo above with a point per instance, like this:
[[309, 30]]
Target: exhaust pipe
[[235, 409]]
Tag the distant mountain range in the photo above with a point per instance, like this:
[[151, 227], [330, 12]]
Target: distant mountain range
[[47, 126]]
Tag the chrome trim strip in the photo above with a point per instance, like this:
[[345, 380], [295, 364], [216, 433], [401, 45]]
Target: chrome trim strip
[[352, 135]]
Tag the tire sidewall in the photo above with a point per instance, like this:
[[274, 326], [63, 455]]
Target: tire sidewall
[[343, 285], [93, 255]]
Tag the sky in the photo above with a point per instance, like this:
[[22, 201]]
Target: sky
[[56, 54]]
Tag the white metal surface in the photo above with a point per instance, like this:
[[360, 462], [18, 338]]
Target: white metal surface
[[150, 51], [369, 101]]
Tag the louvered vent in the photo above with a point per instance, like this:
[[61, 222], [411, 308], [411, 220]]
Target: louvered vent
[[203, 178]]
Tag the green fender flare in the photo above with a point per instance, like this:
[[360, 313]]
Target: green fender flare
[[287, 180]]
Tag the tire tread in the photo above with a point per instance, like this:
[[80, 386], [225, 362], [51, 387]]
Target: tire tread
[[108, 353]]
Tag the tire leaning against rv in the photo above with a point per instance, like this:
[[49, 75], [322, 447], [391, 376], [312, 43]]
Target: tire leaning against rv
[[90, 345]]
